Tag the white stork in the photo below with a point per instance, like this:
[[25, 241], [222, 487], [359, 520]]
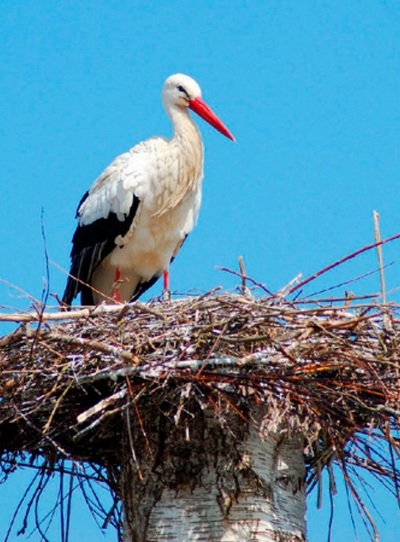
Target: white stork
[[135, 217]]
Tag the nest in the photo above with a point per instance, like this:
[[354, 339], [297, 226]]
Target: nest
[[329, 369]]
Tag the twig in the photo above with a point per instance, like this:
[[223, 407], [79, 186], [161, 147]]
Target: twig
[[149, 310], [101, 405], [131, 445], [84, 312], [377, 233], [341, 261], [93, 345], [244, 290], [346, 283], [283, 292], [257, 284], [109, 299], [21, 291], [56, 405], [98, 421], [45, 293], [39, 432]]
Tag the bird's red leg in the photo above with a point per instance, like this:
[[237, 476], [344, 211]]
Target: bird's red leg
[[116, 295], [166, 295], [166, 280]]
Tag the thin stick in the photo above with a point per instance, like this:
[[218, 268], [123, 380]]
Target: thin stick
[[386, 320], [101, 405], [377, 234], [342, 260], [56, 405], [93, 345], [110, 299], [76, 314], [243, 273], [255, 283], [20, 290], [288, 288]]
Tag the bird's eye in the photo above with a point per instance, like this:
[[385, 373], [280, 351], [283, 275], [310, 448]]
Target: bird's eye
[[181, 89]]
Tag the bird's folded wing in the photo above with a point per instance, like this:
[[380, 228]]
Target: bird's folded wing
[[105, 213]]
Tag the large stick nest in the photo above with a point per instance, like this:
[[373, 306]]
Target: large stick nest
[[328, 369]]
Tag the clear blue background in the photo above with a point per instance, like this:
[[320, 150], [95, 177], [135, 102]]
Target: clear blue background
[[311, 92]]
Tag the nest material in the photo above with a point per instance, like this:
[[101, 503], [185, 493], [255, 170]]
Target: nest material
[[330, 370]]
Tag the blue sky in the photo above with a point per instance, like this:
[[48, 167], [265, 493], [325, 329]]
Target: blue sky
[[310, 90]]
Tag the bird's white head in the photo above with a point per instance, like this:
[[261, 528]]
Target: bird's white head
[[182, 91]]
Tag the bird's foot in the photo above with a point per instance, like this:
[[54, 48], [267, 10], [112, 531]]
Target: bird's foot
[[166, 295]]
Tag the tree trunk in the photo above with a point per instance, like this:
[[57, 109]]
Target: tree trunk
[[214, 478]]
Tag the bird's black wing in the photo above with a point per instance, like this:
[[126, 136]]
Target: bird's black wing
[[91, 243], [143, 286]]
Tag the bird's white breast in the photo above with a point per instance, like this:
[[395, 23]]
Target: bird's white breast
[[151, 243], [167, 182]]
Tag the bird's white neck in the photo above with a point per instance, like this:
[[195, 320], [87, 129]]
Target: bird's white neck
[[187, 140], [185, 129], [184, 158]]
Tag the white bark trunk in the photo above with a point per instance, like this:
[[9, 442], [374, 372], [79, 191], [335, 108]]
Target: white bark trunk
[[247, 486]]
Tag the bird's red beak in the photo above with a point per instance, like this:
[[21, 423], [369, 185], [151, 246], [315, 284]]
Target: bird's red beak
[[199, 106]]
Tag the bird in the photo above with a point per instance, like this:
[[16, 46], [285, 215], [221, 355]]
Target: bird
[[134, 219]]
